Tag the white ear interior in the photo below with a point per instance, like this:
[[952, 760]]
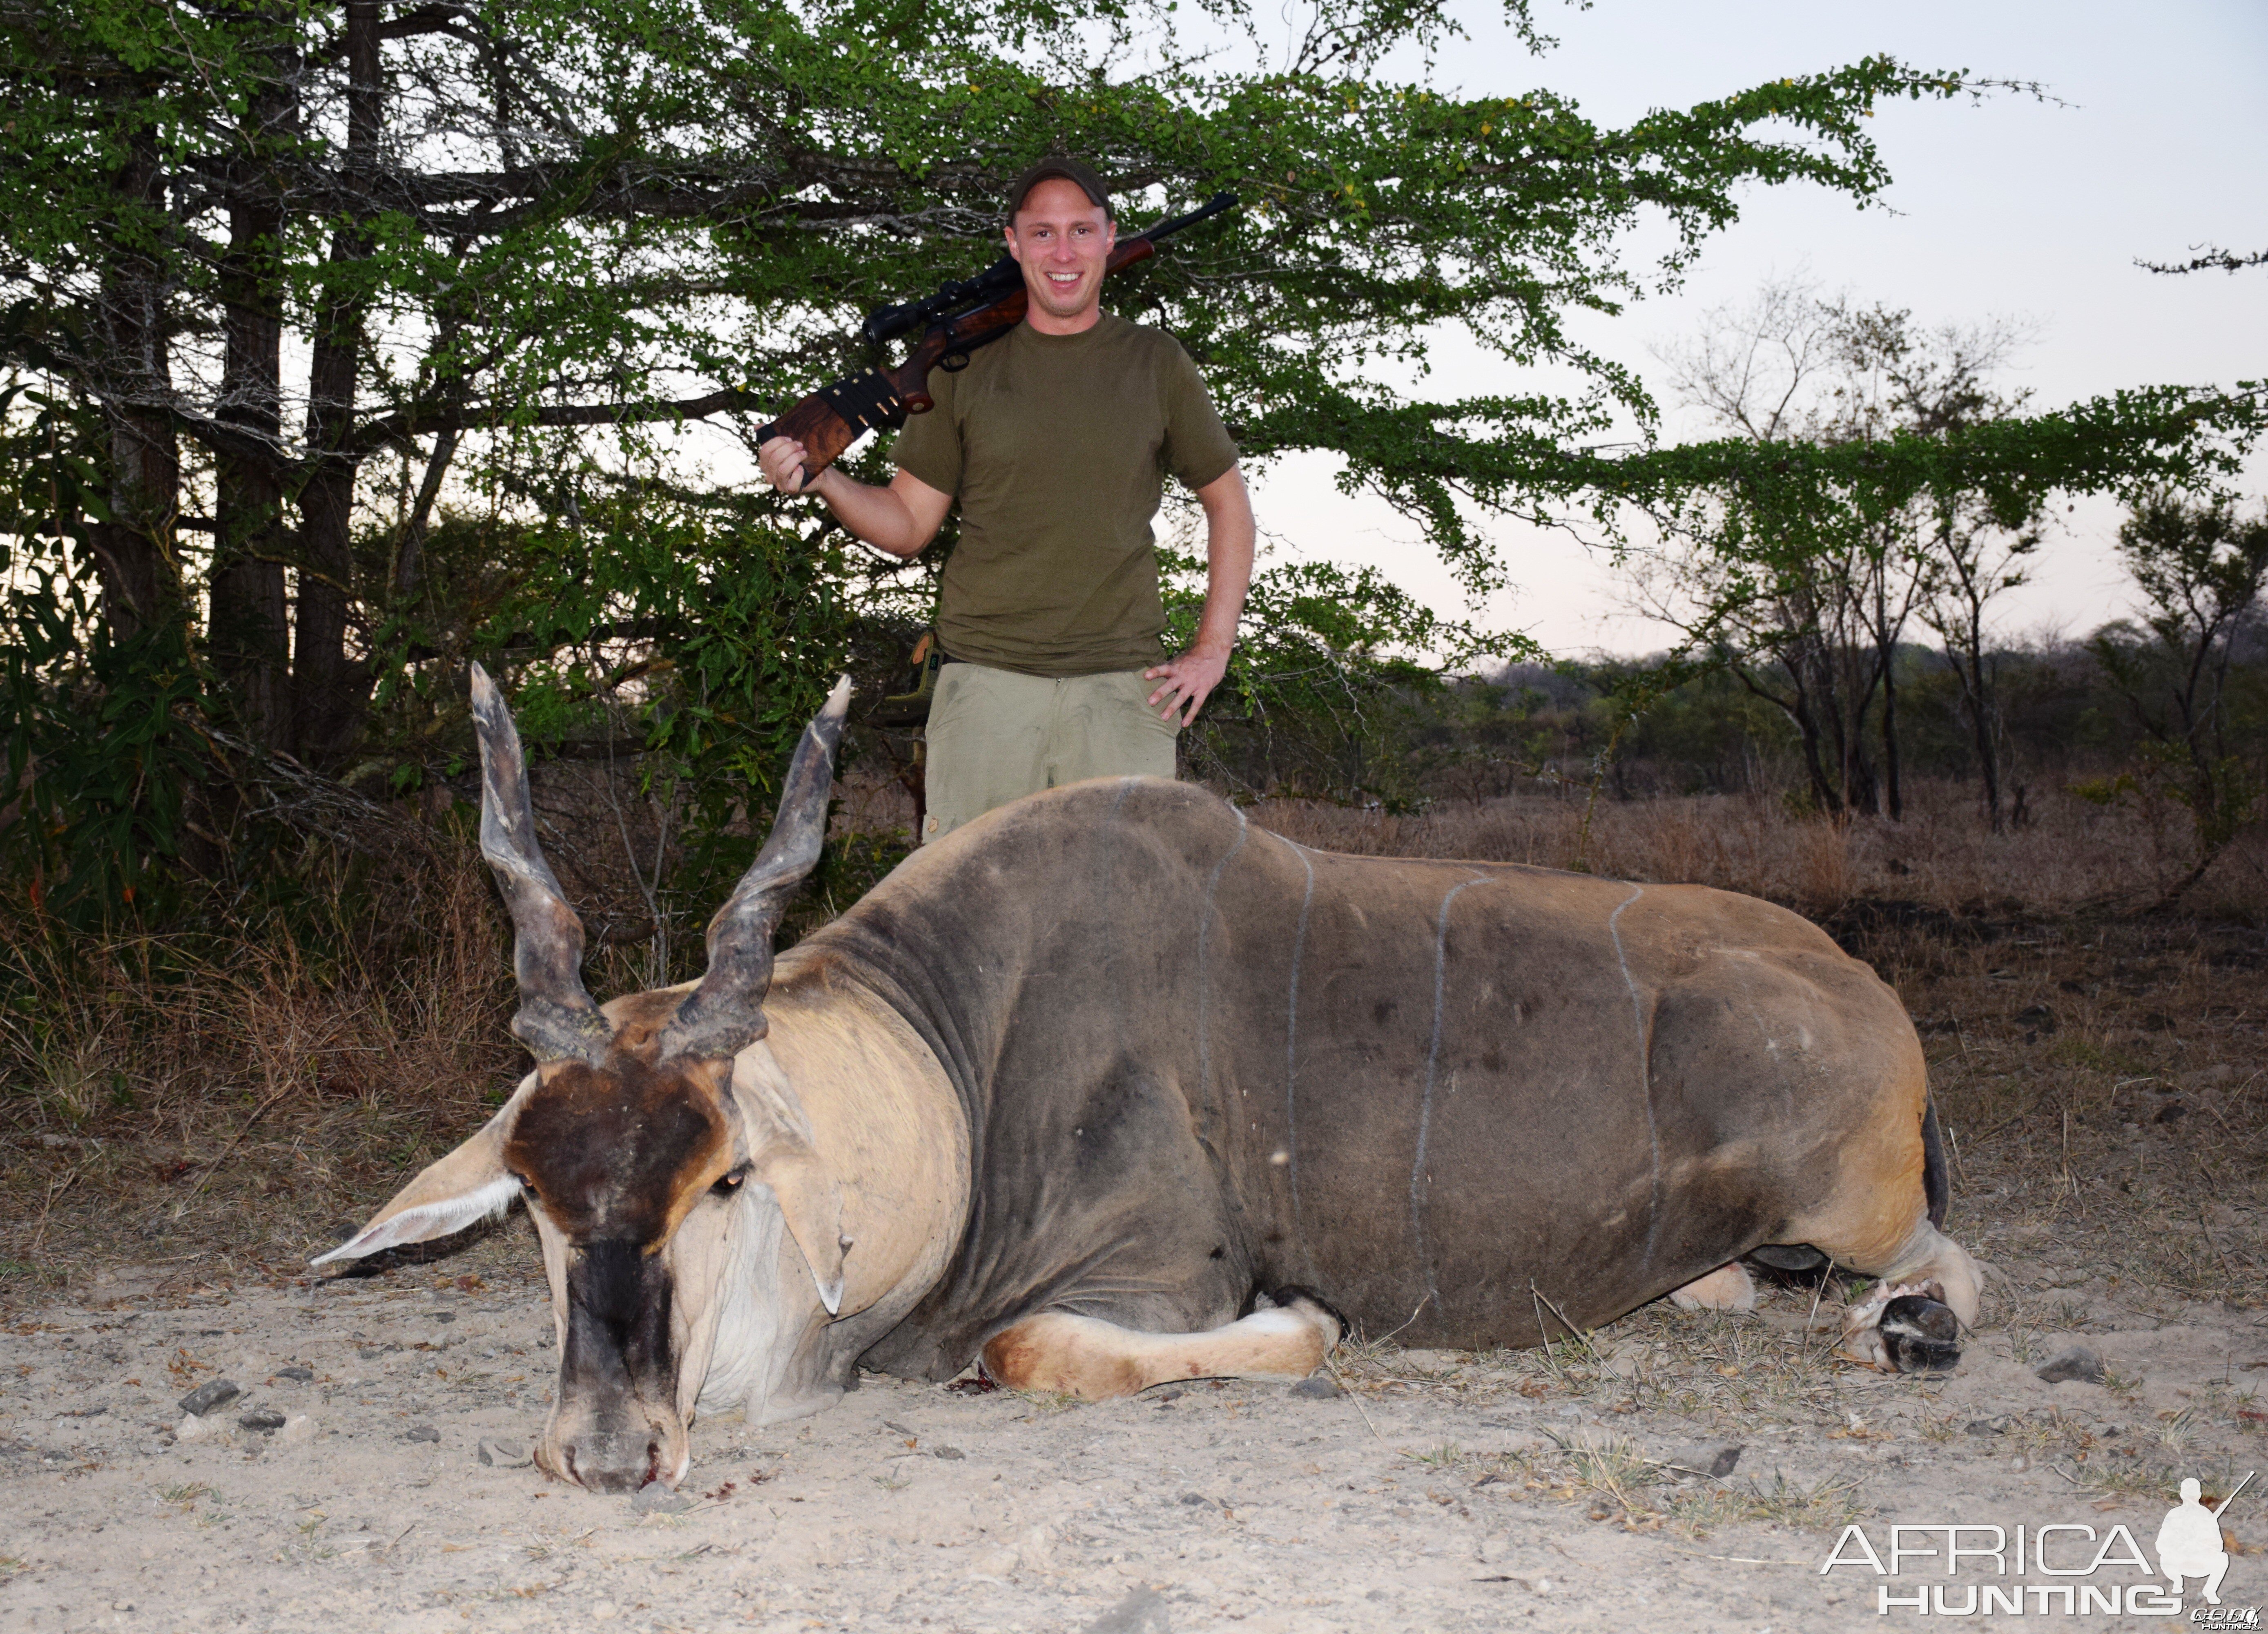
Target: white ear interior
[[428, 1221]]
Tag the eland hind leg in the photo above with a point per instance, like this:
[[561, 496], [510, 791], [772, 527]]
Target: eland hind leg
[[1087, 1356], [1884, 1222]]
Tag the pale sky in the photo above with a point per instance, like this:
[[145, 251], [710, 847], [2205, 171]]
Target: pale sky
[[2017, 209]]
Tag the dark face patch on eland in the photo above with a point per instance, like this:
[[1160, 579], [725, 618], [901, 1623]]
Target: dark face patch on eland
[[619, 1153], [617, 1374]]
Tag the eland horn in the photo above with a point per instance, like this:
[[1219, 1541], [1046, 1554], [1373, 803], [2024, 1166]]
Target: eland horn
[[725, 1013], [556, 1021]]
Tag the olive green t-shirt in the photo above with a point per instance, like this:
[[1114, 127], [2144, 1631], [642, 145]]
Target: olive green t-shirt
[[1056, 446]]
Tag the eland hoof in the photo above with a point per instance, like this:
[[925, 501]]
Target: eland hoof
[[1920, 1335]]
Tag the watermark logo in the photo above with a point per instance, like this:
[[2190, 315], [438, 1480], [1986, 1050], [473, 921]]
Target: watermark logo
[[2087, 1573], [2188, 1542]]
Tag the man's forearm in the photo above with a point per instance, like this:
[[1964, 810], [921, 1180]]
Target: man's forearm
[[899, 519], [1230, 535], [877, 515]]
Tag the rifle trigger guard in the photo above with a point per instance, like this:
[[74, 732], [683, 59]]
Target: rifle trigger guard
[[954, 363]]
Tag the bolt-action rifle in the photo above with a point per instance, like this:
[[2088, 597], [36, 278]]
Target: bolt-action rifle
[[955, 321]]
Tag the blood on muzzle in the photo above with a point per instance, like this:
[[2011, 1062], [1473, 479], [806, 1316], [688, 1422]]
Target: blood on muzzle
[[617, 1409]]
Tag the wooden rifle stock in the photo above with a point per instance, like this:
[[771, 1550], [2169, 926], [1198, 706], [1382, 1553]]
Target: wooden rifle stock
[[829, 420]]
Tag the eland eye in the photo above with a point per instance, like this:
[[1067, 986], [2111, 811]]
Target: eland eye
[[730, 1184]]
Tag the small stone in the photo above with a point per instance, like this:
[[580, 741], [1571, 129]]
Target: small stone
[[1317, 1388], [503, 1454], [1194, 1498], [1143, 1611], [265, 1418], [654, 1498], [423, 1433], [950, 1454], [370, 1353], [297, 1430], [1985, 1426], [2077, 1365], [213, 1393], [303, 1375], [1714, 1461], [195, 1429], [445, 1316]]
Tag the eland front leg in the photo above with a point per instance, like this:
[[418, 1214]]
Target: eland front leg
[[1094, 1359]]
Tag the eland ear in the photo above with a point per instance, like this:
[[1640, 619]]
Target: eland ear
[[469, 1185], [784, 1158], [813, 1205]]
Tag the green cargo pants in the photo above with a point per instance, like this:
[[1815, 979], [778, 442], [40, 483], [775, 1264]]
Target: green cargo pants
[[995, 736]]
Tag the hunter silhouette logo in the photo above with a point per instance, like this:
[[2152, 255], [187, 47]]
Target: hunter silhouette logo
[[2188, 1542]]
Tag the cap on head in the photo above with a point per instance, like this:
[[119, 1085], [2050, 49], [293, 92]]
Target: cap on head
[[1080, 176]]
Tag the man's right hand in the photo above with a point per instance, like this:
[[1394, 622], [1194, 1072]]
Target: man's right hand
[[781, 460], [899, 519]]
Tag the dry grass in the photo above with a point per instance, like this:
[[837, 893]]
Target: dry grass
[[186, 1093], [1611, 1477], [2071, 856]]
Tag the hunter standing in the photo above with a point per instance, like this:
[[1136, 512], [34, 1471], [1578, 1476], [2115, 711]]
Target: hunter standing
[[1056, 441]]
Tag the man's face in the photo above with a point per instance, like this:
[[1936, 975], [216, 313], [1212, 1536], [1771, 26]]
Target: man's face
[[1062, 242]]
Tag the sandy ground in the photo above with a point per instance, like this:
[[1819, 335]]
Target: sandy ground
[[1439, 1491], [2106, 1108]]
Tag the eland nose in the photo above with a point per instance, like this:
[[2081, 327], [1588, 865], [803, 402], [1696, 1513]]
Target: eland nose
[[613, 1463]]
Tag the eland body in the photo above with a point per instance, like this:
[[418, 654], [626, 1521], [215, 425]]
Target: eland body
[[1097, 1089]]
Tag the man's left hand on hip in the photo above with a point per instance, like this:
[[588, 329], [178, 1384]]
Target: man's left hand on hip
[[1189, 681]]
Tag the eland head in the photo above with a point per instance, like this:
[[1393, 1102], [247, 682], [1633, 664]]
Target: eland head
[[645, 1125]]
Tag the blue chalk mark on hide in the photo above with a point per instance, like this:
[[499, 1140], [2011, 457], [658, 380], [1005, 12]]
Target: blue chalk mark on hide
[[1425, 1101], [1645, 1065]]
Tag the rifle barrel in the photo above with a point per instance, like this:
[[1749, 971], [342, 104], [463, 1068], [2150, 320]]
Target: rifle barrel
[[1213, 206]]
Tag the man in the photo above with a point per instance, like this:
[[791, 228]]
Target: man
[[1056, 440]]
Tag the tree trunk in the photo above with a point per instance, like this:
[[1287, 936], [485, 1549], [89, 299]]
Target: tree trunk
[[1988, 752], [328, 689], [249, 635], [250, 623], [1891, 773], [1886, 650], [134, 549], [1800, 715]]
